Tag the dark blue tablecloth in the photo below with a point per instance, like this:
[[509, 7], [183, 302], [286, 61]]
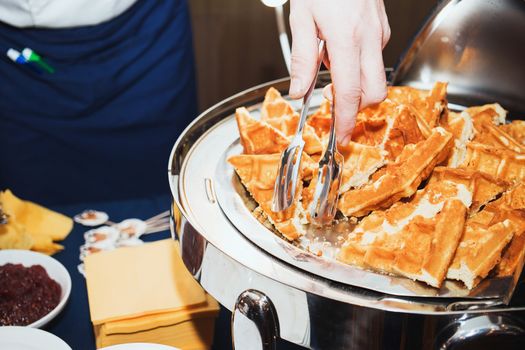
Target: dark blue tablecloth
[[73, 324]]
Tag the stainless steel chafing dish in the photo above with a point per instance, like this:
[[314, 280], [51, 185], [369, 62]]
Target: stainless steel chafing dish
[[274, 294]]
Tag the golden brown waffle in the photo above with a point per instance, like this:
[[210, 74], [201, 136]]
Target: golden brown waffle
[[391, 128], [512, 260], [360, 162], [400, 179], [278, 113], [387, 125], [321, 120], [479, 251], [486, 237], [258, 174], [404, 131], [428, 106], [461, 126], [378, 112], [493, 113], [513, 257], [491, 135], [511, 206], [288, 126], [416, 239], [371, 131], [484, 187], [512, 200], [497, 162], [488, 121], [516, 129], [258, 137], [275, 106]]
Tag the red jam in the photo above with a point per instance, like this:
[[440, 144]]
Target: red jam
[[26, 294]]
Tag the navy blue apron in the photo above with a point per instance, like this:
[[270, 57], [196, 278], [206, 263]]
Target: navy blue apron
[[102, 126]]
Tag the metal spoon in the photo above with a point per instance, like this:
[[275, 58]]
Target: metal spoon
[[326, 193], [286, 183]]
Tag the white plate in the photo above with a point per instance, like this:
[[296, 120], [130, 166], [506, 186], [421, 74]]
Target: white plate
[[54, 269], [139, 346], [25, 338]]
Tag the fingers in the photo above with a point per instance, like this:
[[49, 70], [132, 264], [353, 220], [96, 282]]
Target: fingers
[[373, 78], [305, 49], [344, 54], [386, 32]]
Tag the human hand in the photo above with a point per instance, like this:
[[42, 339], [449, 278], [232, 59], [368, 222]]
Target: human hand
[[355, 31]]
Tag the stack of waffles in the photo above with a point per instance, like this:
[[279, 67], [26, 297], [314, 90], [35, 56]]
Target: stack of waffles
[[434, 194]]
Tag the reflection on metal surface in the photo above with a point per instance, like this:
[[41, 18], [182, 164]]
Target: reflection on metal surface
[[254, 308], [274, 3], [208, 183], [175, 221], [192, 246], [469, 305], [476, 46], [226, 279], [505, 332]]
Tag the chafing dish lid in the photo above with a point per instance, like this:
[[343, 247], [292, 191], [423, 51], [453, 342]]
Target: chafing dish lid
[[477, 46]]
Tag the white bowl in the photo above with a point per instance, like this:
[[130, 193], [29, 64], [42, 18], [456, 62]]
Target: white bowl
[[54, 269], [24, 338]]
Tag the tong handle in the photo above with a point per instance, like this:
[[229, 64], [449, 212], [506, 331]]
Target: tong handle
[[332, 142], [308, 96]]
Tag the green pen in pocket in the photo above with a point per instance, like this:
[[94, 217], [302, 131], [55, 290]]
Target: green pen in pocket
[[33, 57]]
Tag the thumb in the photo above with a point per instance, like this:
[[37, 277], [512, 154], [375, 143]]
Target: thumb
[[328, 92]]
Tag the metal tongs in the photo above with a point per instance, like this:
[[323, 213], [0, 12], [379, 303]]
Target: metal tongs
[[288, 173], [326, 193]]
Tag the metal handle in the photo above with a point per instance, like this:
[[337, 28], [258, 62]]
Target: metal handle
[[254, 322], [305, 109], [478, 329]]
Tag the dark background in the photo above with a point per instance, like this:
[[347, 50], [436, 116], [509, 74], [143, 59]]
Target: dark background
[[237, 47]]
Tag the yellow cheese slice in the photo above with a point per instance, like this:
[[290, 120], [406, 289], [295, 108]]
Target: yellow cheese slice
[[36, 219], [14, 236], [44, 244], [209, 308], [194, 334], [136, 281]]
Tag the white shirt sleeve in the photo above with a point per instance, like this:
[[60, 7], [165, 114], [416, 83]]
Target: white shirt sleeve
[[60, 13]]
